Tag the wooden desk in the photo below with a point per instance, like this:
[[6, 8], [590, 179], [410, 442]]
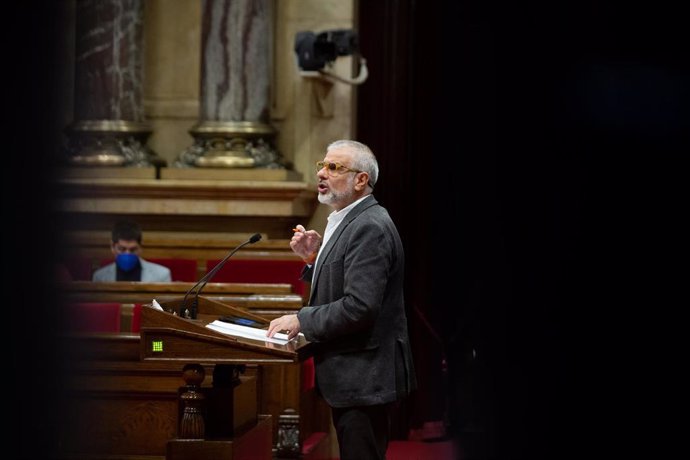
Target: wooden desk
[[172, 289], [267, 300], [91, 248]]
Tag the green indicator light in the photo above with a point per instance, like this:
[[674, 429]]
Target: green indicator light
[[157, 345]]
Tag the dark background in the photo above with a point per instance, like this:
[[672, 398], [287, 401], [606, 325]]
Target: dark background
[[529, 154], [29, 108]]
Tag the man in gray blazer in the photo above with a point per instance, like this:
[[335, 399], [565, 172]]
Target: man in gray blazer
[[128, 265], [356, 314]]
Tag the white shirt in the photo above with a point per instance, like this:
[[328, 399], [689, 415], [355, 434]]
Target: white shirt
[[334, 219]]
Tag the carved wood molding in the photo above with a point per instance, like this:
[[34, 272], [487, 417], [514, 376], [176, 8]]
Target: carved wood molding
[[186, 189]]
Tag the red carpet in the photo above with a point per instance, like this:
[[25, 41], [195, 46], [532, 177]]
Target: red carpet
[[418, 450]]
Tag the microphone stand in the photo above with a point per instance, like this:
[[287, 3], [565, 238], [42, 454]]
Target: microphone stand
[[191, 312]]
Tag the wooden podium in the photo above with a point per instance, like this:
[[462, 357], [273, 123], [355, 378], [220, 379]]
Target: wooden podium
[[213, 421]]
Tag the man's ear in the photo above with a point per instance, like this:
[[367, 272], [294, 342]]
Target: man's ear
[[361, 180]]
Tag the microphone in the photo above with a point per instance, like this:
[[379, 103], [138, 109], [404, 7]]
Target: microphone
[[206, 278]]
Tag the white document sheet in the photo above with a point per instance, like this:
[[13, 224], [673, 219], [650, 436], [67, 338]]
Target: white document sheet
[[247, 332]]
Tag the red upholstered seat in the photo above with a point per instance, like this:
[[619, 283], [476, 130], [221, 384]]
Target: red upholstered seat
[[92, 317], [136, 318], [261, 271], [180, 269]]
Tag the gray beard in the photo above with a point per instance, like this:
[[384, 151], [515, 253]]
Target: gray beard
[[332, 198]]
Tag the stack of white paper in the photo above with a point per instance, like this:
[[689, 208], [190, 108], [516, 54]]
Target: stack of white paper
[[247, 332]]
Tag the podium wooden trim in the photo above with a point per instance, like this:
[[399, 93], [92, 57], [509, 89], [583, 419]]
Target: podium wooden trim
[[168, 337]]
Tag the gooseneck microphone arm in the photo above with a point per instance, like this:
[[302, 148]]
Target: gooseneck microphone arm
[[206, 278]]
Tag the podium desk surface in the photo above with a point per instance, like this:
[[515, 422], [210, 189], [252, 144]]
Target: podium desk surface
[[166, 336]]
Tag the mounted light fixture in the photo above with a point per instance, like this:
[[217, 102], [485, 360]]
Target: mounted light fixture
[[316, 54]]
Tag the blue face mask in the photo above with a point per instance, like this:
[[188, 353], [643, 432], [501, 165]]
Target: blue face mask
[[126, 261]]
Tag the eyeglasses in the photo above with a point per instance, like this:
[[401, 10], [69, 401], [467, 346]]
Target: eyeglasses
[[334, 168]]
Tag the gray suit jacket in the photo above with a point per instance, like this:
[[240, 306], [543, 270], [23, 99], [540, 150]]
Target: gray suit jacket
[[150, 273], [356, 313]]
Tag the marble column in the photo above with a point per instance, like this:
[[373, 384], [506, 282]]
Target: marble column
[[234, 129], [109, 127]]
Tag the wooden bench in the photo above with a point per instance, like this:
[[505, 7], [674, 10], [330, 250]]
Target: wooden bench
[[263, 271], [264, 299], [88, 249], [267, 261]]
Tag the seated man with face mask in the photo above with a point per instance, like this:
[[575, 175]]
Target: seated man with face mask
[[128, 265]]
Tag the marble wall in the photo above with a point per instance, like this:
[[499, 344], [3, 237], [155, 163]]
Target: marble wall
[[172, 59], [307, 113]]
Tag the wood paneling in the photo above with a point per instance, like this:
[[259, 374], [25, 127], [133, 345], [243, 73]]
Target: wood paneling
[[116, 405]]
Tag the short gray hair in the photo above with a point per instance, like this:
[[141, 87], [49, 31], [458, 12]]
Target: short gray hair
[[363, 158]]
